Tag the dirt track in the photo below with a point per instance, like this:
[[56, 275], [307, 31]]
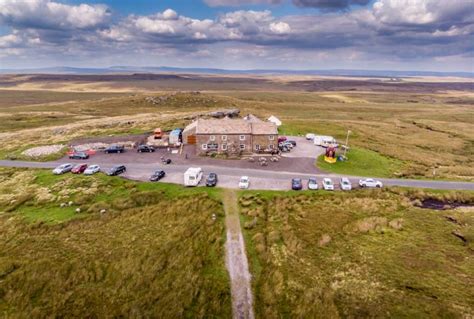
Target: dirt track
[[236, 261]]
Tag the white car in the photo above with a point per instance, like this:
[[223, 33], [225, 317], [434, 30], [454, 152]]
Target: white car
[[328, 185], [92, 170], [62, 169], [310, 136], [370, 182], [345, 184], [312, 183], [244, 182]]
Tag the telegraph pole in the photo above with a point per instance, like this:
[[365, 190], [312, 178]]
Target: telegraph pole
[[347, 142]]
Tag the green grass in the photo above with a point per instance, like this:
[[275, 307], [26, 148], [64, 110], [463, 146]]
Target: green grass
[[363, 162], [156, 252], [367, 268]]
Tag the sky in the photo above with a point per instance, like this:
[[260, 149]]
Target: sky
[[422, 35]]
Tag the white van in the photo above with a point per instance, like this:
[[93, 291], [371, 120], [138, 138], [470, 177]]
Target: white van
[[325, 141], [193, 176]]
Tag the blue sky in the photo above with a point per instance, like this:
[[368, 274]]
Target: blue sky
[[239, 34]]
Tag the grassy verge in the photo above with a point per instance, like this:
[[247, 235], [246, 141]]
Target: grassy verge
[[363, 162], [148, 255], [363, 254]]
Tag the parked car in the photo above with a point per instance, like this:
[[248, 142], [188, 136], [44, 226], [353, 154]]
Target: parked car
[[313, 183], [145, 149], [310, 136], [114, 149], [287, 144], [283, 148], [193, 176], [328, 185], [79, 169], [282, 139], [92, 169], [370, 182], [79, 155], [291, 142], [157, 176], [117, 170], [244, 182], [296, 184], [345, 184], [62, 169], [211, 180]]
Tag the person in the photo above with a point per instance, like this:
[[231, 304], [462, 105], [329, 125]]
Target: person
[[186, 156]]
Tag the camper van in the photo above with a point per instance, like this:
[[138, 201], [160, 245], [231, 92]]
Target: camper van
[[193, 176], [325, 141]]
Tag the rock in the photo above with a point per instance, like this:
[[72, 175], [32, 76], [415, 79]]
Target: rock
[[78, 210], [63, 205], [70, 203], [103, 211], [324, 240]]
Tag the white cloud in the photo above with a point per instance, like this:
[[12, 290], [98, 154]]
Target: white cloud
[[170, 14], [280, 27], [235, 3], [47, 14]]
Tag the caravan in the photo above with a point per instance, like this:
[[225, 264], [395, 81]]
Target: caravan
[[193, 176], [325, 141]]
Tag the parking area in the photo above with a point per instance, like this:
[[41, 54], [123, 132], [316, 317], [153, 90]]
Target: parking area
[[304, 149]]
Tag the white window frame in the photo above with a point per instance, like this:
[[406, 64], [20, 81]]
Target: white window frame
[[242, 147], [224, 137], [224, 147], [212, 138], [204, 147], [242, 137], [271, 137]]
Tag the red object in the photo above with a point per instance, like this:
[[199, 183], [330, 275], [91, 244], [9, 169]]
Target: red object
[[331, 152], [282, 139], [78, 169]]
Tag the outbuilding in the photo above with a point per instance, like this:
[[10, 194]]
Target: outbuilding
[[275, 120]]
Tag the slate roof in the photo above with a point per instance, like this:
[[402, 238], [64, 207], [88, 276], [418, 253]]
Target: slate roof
[[234, 126]]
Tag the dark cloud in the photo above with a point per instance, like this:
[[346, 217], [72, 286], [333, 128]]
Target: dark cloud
[[329, 4]]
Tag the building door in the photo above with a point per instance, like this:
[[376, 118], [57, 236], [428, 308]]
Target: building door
[[191, 139]]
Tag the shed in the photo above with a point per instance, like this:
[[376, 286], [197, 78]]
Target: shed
[[274, 120]]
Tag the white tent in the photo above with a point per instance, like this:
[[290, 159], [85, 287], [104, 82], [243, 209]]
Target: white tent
[[274, 120]]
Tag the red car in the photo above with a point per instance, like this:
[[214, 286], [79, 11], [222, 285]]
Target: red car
[[281, 139], [79, 169]]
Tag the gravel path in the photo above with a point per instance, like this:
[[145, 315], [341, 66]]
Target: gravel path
[[236, 261]]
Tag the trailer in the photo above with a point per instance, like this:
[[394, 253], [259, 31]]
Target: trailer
[[324, 141], [193, 176]]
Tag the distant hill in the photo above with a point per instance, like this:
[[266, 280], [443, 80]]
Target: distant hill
[[165, 69]]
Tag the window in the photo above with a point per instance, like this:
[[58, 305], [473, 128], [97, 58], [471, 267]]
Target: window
[[212, 146], [224, 137], [271, 146], [204, 146], [242, 146], [257, 147], [224, 147], [212, 137], [242, 137], [271, 137]]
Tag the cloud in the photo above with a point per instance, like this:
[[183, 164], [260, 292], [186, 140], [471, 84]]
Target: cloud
[[46, 14], [329, 4], [236, 3], [280, 27]]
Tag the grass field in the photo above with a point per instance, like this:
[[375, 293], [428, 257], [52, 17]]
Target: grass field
[[364, 254], [362, 162], [148, 255], [419, 131]]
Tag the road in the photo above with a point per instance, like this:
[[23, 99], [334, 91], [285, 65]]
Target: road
[[229, 175]]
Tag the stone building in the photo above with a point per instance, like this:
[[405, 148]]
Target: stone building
[[232, 136]]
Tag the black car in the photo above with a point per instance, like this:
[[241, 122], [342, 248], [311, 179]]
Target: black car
[[117, 170], [114, 149], [296, 184], [291, 142], [79, 155], [211, 180], [157, 176], [145, 149]]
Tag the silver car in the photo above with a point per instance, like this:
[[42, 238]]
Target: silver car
[[345, 184], [62, 169], [92, 170]]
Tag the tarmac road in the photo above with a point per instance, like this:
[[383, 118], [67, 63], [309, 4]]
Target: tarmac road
[[229, 176]]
